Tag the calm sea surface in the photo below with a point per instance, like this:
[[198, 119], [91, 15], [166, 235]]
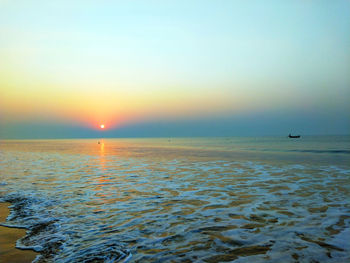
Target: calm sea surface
[[267, 199]]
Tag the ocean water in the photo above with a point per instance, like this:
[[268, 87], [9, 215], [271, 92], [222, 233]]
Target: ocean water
[[266, 199]]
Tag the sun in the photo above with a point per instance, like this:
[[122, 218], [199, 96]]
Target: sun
[[102, 126]]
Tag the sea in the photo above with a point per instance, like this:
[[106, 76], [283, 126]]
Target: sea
[[227, 199]]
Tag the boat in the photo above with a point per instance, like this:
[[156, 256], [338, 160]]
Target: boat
[[293, 136]]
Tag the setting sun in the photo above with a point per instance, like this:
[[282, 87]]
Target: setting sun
[[102, 126]]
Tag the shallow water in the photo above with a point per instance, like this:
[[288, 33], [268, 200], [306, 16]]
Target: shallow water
[[180, 200]]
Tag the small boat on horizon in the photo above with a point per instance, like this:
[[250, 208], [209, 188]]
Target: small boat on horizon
[[293, 136]]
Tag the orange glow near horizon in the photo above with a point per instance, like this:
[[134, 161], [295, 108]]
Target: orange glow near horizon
[[88, 72]]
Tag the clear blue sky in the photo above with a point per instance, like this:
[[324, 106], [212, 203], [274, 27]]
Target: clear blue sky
[[174, 68]]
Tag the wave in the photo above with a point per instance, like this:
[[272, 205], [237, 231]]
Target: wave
[[47, 236], [322, 151]]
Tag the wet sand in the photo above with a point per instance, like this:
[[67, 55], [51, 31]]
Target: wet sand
[[8, 238]]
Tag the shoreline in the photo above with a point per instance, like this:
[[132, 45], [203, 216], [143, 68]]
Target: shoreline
[[8, 238]]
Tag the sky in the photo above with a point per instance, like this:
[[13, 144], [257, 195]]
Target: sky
[[148, 68]]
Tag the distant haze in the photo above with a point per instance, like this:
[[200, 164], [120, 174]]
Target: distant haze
[[173, 68]]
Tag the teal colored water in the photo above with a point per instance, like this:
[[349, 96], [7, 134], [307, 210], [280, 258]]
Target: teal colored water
[[264, 199]]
